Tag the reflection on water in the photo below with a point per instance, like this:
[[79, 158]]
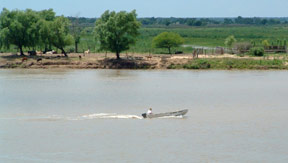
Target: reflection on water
[[95, 116], [117, 74]]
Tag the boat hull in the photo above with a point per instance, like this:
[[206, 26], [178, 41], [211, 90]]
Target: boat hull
[[176, 113]]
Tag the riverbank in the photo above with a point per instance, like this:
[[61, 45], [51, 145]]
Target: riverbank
[[143, 61]]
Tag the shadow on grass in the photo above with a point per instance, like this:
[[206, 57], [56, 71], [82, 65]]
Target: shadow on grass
[[13, 57], [125, 64]]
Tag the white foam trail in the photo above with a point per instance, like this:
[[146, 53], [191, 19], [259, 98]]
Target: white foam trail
[[111, 116], [73, 118], [82, 117]]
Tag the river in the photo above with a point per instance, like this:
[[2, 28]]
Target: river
[[95, 116]]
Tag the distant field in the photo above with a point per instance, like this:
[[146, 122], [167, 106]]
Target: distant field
[[215, 36], [200, 36], [209, 36]]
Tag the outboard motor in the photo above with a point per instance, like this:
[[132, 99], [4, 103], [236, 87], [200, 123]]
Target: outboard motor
[[144, 115]]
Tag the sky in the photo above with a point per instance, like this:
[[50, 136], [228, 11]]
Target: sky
[[157, 8]]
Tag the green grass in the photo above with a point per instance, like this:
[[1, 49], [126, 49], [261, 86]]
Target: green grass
[[232, 63], [211, 36], [215, 36]]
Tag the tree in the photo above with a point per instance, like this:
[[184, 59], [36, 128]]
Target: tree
[[167, 22], [76, 32], [198, 23], [47, 17], [228, 21], [117, 31], [167, 40], [190, 22], [19, 28], [45, 33], [229, 41], [265, 43], [59, 33]]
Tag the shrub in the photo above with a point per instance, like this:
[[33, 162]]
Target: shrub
[[229, 41], [198, 64], [257, 51], [172, 66]]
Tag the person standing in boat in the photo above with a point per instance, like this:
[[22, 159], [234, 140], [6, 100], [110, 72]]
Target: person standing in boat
[[149, 111]]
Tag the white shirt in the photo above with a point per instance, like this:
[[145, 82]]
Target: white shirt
[[149, 111]]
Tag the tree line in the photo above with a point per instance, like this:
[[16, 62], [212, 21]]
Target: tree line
[[152, 21], [32, 29], [114, 32], [213, 21]]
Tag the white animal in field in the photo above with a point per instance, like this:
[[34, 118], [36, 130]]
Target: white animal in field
[[86, 52], [50, 52]]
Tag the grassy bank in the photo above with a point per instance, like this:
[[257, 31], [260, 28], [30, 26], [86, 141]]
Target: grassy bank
[[232, 63]]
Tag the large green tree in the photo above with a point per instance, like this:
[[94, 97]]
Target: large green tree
[[117, 31], [19, 28], [59, 33], [45, 34], [167, 40], [47, 17]]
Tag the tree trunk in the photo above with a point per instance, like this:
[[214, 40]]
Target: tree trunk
[[118, 55], [169, 49], [63, 52], [21, 50], [76, 47]]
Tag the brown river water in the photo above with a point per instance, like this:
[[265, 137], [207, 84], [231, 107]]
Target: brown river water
[[95, 116]]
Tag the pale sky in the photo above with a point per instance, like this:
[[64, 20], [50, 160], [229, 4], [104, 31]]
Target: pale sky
[[157, 8]]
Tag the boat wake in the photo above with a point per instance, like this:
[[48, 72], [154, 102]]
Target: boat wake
[[77, 118], [111, 116], [71, 118]]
